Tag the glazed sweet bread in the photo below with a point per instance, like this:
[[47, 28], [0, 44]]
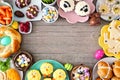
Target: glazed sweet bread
[[116, 68], [101, 79], [104, 70], [115, 78], [10, 41]]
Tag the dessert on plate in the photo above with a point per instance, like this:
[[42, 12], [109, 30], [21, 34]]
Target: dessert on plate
[[22, 3]]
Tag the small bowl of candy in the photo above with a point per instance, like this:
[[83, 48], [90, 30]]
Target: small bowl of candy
[[25, 27], [49, 14]]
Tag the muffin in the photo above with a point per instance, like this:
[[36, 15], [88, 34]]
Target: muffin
[[33, 75], [67, 5], [81, 72], [104, 70], [82, 8], [46, 69], [22, 3], [101, 79], [115, 78], [32, 12], [116, 9], [12, 74], [116, 68], [59, 74], [104, 9]]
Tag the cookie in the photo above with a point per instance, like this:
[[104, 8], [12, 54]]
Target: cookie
[[22, 3]]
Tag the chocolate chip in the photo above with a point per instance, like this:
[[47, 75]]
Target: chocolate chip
[[19, 14]]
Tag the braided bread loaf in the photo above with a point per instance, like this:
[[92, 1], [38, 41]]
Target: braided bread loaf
[[10, 41]]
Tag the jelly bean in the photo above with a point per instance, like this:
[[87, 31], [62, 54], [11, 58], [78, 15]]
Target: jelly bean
[[99, 54], [5, 40]]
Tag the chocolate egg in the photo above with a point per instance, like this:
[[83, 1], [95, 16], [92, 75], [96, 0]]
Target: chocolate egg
[[19, 14]]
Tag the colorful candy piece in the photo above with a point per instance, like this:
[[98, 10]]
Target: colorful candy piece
[[5, 41], [15, 25], [99, 54]]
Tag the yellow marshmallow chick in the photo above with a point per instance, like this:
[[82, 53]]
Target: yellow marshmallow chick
[[46, 69], [59, 74], [47, 79]]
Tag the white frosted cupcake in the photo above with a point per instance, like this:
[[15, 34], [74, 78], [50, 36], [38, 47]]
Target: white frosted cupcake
[[82, 8], [104, 9], [116, 9], [67, 5]]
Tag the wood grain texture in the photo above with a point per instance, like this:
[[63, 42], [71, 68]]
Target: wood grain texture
[[64, 42]]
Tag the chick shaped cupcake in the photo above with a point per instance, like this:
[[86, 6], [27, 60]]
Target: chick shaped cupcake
[[59, 74], [46, 69], [33, 75], [47, 79]]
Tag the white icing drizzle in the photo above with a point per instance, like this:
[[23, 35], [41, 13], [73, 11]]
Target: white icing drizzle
[[117, 67], [18, 3], [26, 2]]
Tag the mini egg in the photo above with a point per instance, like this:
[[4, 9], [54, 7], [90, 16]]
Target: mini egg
[[99, 54], [5, 41]]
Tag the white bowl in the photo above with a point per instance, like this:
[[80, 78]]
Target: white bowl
[[49, 4], [2, 3], [26, 32], [43, 11]]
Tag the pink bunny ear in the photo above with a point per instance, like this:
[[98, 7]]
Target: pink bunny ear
[[89, 0]]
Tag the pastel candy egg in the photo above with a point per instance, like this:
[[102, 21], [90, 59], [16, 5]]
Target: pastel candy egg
[[68, 66], [5, 41], [99, 54]]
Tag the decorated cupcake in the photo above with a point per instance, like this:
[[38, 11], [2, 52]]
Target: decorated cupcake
[[33, 75], [80, 73], [59, 74], [110, 2], [104, 9], [67, 5], [46, 69]]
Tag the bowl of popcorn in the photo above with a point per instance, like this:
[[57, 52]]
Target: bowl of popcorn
[[49, 14]]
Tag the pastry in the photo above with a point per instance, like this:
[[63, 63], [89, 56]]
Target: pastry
[[59, 74], [46, 69], [3, 76], [116, 9], [67, 5], [19, 14], [82, 8], [22, 3], [33, 75], [116, 68], [22, 60], [10, 41], [104, 70], [12, 74], [115, 78], [32, 12], [104, 9], [81, 72], [101, 79]]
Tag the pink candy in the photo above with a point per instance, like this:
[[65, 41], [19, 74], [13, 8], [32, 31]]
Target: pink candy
[[99, 54]]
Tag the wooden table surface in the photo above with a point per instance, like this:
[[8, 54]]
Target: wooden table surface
[[64, 42]]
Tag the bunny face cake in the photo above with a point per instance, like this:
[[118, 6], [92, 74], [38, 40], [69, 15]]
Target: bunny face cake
[[82, 8], [67, 5], [109, 39]]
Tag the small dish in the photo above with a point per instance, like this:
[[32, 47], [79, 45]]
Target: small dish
[[3, 3], [110, 60], [49, 14], [24, 25], [51, 4]]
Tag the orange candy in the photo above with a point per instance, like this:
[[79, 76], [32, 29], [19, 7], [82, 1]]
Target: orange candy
[[5, 15]]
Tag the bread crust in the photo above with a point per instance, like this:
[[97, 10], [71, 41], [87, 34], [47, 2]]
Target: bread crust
[[13, 47]]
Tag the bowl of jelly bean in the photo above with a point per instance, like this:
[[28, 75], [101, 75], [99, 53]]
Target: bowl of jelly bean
[[49, 14]]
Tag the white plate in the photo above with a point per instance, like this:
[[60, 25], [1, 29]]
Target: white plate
[[12, 66], [110, 60], [24, 19], [106, 16]]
